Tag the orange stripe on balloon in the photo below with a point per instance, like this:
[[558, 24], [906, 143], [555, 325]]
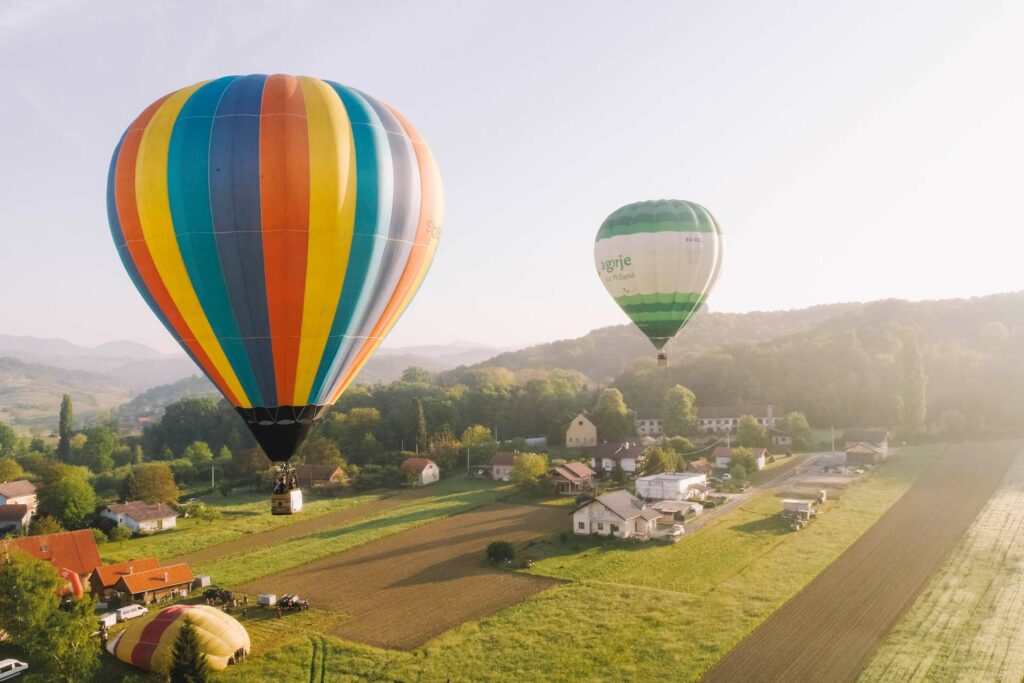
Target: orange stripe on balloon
[[428, 231], [128, 215], [284, 204]]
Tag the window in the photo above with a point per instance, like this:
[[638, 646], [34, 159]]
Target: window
[[600, 526], [581, 423], [44, 548], [582, 525]]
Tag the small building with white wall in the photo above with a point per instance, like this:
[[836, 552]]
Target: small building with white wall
[[140, 517], [582, 433], [670, 486], [619, 514], [425, 469]]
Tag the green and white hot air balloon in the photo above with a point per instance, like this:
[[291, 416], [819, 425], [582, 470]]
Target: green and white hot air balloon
[[659, 261]]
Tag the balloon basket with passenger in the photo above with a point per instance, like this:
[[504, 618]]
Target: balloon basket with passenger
[[287, 496]]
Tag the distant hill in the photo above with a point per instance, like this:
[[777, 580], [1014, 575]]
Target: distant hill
[[150, 404]]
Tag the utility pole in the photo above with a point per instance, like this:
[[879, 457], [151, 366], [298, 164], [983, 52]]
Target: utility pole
[[213, 477]]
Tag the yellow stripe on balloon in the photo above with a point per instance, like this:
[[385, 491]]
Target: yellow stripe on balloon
[[332, 212], [158, 231]]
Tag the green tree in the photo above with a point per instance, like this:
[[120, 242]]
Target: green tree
[[97, 452], [44, 524], [8, 441], [57, 641], [795, 424], [119, 534], [910, 397], [660, 459], [199, 454], [744, 458], [322, 451], [479, 441], [224, 456], [750, 433], [530, 472], [421, 424], [188, 663], [10, 470], [65, 429], [679, 411], [681, 445], [155, 483], [500, 552], [611, 416], [67, 496], [129, 487]]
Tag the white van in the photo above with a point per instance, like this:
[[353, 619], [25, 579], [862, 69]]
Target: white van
[[11, 668], [131, 612]]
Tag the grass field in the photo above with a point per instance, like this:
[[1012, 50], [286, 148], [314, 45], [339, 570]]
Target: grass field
[[968, 624], [629, 612]]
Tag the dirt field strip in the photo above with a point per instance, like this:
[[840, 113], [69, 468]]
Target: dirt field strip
[[968, 625], [303, 528], [407, 588], [829, 630]]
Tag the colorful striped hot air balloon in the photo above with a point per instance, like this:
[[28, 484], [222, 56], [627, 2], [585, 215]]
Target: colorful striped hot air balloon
[[659, 260], [278, 226], [148, 642]]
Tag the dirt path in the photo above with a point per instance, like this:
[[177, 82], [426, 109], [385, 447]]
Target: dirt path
[[303, 528], [407, 588], [829, 630]]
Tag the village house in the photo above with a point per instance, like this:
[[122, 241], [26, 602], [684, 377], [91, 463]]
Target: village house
[[157, 584], [779, 438], [141, 517], [14, 517], [582, 433], [723, 457], [572, 478], [862, 453], [628, 455], [702, 466], [309, 476], [501, 465], [619, 514], [727, 419], [75, 551], [648, 424], [425, 469], [673, 486], [19, 492], [878, 439], [104, 577]]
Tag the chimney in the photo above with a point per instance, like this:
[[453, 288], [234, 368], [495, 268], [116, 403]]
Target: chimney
[[131, 569], [166, 577]]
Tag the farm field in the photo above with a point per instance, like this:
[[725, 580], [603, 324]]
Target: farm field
[[968, 624], [401, 591], [609, 618], [830, 628]]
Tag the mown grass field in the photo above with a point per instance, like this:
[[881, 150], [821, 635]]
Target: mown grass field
[[968, 624], [629, 612]]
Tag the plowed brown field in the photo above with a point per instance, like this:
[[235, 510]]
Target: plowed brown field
[[829, 630], [304, 528], [407, 588]]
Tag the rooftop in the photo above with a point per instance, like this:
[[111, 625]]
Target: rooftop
[[109, 574], [416, 464], [504, 458], [625, 505], [142, 511], [74, 550], [13, 513], [154, 579], [17, 488], [575, 472], [616, 450]]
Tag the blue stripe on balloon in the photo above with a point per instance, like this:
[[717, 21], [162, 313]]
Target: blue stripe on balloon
[[374, 181], [188, 189], [126, 256], [405, 207], [235, 200]]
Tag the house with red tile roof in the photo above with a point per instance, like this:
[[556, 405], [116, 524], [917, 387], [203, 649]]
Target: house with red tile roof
[[104, 577], [144, 587], [72, 550]]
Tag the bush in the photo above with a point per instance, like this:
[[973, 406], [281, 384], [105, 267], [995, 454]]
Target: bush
[[120, 533], [500, 552], [564, 537], [99, 537]]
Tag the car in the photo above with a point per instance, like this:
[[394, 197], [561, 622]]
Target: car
[[11, 668], [293, 602], [131, 612], [726, 476], [192, 500]]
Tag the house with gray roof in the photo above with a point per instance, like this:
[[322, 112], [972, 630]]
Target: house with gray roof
[[619, 514]]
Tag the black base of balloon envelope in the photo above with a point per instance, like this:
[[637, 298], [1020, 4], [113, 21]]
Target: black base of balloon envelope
[[287, 497], [281, 430]]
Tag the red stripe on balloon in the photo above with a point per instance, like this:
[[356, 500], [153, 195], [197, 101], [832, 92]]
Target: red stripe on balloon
[[284, 204], [131, 226], [149, 639]]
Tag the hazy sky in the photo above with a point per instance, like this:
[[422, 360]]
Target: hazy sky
[[851, 151]]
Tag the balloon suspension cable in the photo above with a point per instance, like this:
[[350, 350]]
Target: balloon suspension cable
[[662, 359], [285, 479]]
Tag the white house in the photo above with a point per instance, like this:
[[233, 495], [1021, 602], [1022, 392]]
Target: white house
[[501, 465], [723, 457], [672, 486], [619, 514], [582, 433], [727, 419], [14, 517], [19, 492], [425, 469], [878, 439], [648, 424], [629, 455], [141, 517]]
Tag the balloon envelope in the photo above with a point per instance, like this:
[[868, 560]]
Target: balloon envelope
[[148, 642], [278, 226], [659, 260]]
